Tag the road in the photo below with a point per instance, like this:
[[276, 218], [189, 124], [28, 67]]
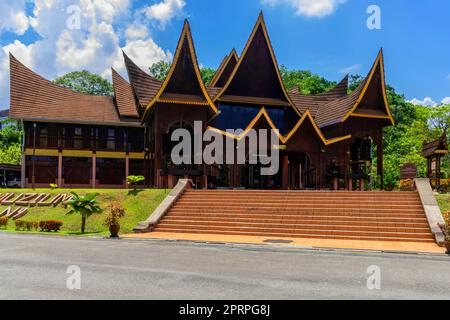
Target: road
[[35, 267]]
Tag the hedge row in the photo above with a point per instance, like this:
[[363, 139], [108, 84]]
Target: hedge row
[[43, 226]]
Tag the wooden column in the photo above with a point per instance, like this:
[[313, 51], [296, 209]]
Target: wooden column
[[380, 158], [23, 170], [94, 170], [127, 169], [285, 172], [60, 169]]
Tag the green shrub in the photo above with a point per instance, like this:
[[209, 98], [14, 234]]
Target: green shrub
[[3, 222], [51, 225]]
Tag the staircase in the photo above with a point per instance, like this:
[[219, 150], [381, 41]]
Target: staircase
[[377, 216]]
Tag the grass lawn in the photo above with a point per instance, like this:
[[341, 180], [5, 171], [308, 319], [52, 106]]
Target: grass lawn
[[444, 202], [138, 205]]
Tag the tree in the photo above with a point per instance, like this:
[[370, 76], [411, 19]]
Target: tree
[[10, 142], [86, 83], [160, 70], [307, 82], [207, 75], [86, 206], [440, 119]]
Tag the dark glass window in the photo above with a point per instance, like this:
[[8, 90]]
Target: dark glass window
[[45, 169], [110, 171], [77, 170]]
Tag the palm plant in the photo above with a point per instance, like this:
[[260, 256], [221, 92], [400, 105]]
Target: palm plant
[[86, 206], [135, 180]]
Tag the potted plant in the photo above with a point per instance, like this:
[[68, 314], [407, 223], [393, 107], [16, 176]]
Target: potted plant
[[116, 212], [446, 230]]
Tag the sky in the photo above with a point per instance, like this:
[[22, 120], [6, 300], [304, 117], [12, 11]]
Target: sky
[[328, 37]]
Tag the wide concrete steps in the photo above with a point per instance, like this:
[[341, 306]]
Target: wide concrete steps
[[377, 216]]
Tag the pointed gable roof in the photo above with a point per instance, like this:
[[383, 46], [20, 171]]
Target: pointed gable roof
[[225, 70], [124, 96], [183, 83], [145, 86], [257, 74], [371, 92], [362, 102]]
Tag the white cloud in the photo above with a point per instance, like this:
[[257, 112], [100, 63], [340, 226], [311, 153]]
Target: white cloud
[[428, 102], [136, 32], [164, 11], [351, 69], [13, 17], [446, 100], [95, 47], [309, 8]]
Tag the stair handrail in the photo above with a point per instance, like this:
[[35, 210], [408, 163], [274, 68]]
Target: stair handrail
[[164, 207]]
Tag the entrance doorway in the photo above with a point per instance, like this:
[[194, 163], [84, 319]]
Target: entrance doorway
[[302, 174]]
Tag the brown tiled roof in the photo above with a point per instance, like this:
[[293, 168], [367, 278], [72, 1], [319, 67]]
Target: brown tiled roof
[[334, 111], [313, 103], [35, 98], [145, 86], [124, 95], [213, 91], [440, 145]]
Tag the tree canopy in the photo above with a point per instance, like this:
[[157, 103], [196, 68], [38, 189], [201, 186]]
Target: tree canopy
[[160, 70], [86, 83], [10, 142]]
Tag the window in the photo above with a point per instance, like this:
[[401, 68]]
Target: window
[[78, 138], [111, 140]]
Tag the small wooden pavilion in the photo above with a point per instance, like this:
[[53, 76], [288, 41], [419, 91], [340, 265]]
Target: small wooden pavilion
[[434, 152]]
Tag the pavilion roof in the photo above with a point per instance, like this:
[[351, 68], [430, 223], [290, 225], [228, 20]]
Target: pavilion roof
[[439, 146]]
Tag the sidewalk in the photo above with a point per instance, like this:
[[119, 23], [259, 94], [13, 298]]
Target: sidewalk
[[417, 247]]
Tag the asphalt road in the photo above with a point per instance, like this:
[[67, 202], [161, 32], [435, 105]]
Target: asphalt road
[[35, 267]]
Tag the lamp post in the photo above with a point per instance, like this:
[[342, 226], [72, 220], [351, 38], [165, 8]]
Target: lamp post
[[33, 177]]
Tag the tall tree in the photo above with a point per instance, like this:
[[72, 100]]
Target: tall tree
[[86, 83]]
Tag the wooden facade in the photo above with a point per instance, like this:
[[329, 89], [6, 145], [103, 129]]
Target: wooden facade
[[326, 140]]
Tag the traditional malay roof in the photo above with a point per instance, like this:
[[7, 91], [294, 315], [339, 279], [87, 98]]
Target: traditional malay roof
[[184, 83], [225, 70], [253, 79], [124, 95], [38, 99], [145, 86], [437, 147], [362, 102], [306, 118], [256, 79]]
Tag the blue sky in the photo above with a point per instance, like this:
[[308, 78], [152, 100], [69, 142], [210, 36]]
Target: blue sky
[[328, 37]]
